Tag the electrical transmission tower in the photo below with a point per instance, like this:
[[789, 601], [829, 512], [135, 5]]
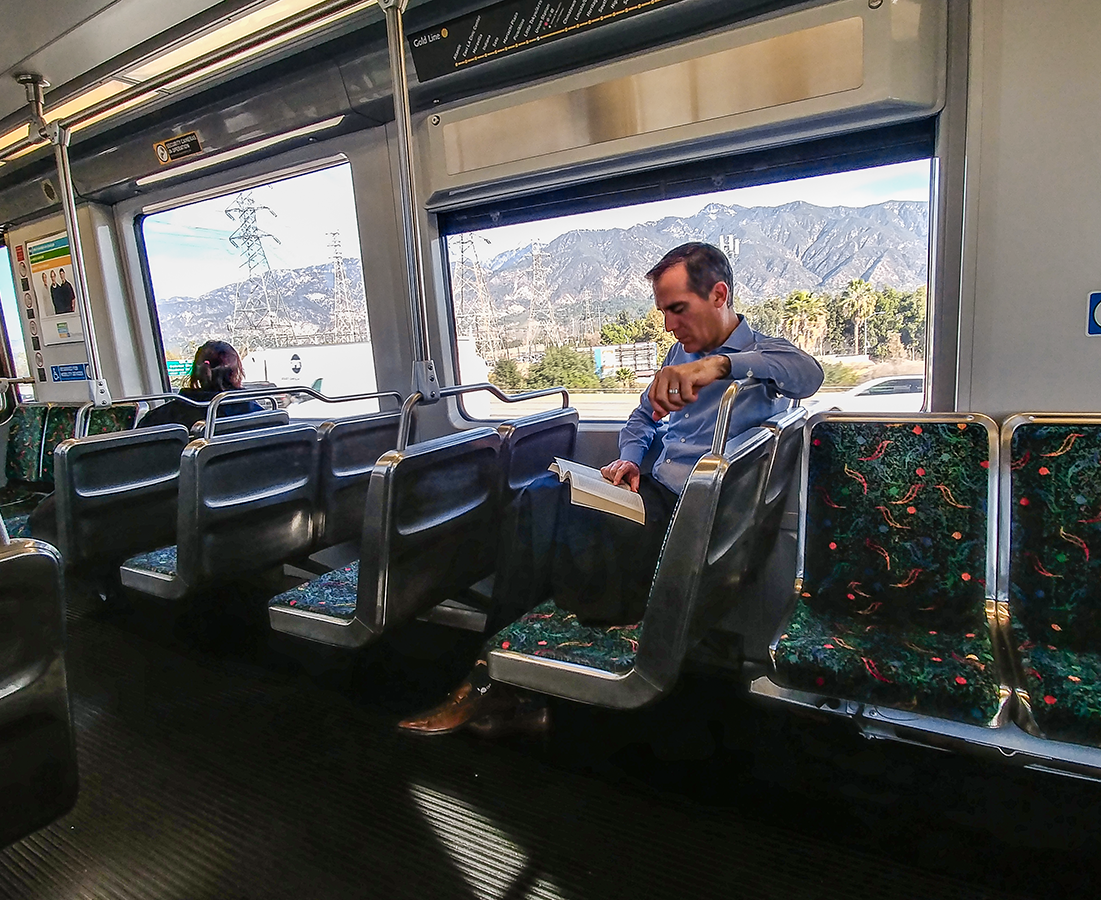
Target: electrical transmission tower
[[475, 313], [541, 321], [259, 316], [349, 321]]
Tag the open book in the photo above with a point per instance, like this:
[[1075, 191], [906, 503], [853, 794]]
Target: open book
[[590, 489]]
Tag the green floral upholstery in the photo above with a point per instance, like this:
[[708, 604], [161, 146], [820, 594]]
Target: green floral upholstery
[[60, 425], [16, 526], [114, 418], [552, 633], [1055, 574], [333, 594], [161, 562], [892, 610], [24, 454]]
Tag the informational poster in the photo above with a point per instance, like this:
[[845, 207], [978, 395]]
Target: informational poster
[[510, 27], [53, 290]]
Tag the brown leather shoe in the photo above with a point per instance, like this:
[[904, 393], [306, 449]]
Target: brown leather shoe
[[463, 706], [530, 720]]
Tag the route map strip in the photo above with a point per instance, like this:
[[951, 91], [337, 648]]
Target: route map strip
[[510, 27]]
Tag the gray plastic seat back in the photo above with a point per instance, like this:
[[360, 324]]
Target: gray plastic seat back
[[430, 525], [116, 494], [707, 552], [529, 445], [349, 450], [38, 778], [223, 425], [247, 502]]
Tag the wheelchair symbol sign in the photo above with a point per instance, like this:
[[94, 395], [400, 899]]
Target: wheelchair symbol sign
[[1093, 322]]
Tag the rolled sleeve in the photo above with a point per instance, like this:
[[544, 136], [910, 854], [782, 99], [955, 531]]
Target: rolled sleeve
[[792, 372]]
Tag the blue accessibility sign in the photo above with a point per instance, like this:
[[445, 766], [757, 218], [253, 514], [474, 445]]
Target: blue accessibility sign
[[70, 372], [1093, 322]]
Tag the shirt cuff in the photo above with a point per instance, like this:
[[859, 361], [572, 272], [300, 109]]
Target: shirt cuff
[[632, 453]]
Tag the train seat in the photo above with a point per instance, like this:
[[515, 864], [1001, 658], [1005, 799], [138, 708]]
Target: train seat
[[246, 505], [23, 489], [783, 468], [223, 425], [530, 444], [116, 494], [34, 432], [1051, 472], [38, 780], [349, 449], [895, 604], [704, 561], [429, 530]]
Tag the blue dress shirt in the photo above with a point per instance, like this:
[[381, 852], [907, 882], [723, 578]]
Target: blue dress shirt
[[787, 371]]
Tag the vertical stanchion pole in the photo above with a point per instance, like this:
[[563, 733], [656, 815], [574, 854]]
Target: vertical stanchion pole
[[58, 135], [424, 371]]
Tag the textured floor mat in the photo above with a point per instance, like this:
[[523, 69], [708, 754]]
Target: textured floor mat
[[216, 777]]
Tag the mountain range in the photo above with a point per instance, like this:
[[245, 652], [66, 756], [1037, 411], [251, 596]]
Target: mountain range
[[597, 273]]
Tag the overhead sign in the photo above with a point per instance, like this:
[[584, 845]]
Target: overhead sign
[[1093, 321], [177, 148], [512, 26]]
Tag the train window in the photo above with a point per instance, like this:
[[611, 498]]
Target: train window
[[10, 309], [836, 263], [276, 271]]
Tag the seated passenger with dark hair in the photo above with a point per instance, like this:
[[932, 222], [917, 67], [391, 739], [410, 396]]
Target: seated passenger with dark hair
[[215, 369], [602, 565]]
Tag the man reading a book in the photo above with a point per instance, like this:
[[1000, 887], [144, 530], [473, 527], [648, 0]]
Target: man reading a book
[[602, 565]]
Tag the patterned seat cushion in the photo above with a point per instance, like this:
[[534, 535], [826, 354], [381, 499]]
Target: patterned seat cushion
[[23, 461], [16, 526], [1055, 574], [160, 562], [114, 418], [552, 633], [895, 568], [945, 675], [333, 594], [60, 426]]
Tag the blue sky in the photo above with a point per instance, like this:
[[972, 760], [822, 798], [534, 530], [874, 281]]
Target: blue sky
[[190, 253]]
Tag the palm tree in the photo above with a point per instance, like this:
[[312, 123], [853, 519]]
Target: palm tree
[[858, 301], [804, 318]]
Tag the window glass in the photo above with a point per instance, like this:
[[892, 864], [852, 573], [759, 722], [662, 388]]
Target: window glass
[[836, 263], [10, 307], [275, 270]]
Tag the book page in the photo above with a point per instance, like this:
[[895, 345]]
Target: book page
[[590, 489]]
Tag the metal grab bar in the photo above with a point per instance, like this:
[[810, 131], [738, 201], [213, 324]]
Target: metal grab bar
[[726, 407], [413, 399], [268, 393], [5, 383], [83, 415]]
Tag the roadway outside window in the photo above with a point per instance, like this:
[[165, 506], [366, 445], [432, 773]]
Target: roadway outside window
[[9, 306], [276, 271], [836, 263]]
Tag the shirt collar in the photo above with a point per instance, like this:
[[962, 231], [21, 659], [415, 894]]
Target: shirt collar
[[741, 338]]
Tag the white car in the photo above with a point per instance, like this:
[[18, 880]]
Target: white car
[[895, 393]]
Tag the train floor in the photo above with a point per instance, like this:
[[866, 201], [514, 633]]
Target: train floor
[[220, 761]]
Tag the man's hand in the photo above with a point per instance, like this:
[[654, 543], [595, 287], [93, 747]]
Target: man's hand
[[622, 471], [674, 387]]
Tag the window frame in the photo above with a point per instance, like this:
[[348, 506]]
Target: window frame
[[845, 152], [221, 188]]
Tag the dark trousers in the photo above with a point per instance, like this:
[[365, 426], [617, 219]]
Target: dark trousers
[[594, 564]]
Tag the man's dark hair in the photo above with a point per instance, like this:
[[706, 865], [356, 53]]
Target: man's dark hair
[[707, 265]]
